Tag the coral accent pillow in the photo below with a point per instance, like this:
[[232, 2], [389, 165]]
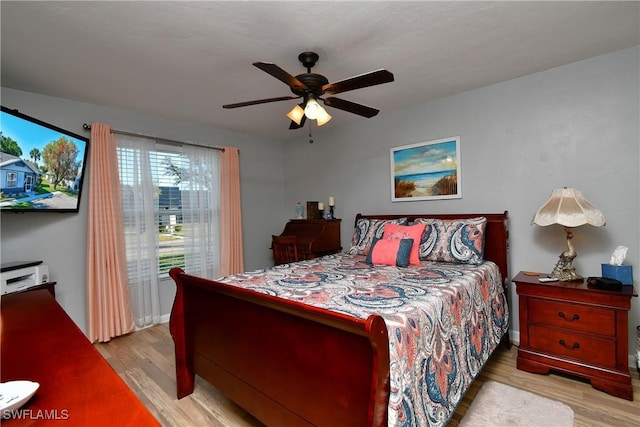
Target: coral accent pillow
[[414, 232], [366, 231], [390, 252]]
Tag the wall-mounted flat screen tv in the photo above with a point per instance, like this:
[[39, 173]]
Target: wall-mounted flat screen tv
[[41, 166]]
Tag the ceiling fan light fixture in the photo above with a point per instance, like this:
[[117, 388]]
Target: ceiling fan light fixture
[[323, 117], [313, 109], [311, 87], [296, 114]]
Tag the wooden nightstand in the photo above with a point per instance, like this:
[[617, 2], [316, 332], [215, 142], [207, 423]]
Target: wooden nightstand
[[576, 329]]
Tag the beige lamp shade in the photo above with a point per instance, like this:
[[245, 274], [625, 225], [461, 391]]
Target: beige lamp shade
[[323, 117], [312, 109], [296, 114], [568, 207]]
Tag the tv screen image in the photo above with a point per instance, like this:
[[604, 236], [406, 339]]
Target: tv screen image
[[41, 165]]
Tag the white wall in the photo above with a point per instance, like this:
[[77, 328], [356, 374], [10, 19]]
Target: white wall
[[574, 126], [60, 239]]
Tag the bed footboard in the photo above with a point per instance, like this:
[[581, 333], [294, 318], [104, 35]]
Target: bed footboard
[[286, 363]]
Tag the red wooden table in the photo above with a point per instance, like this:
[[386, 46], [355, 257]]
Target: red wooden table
[[39, 342]]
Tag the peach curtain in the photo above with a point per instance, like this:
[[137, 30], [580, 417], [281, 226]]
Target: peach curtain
[[108, 304], [231, 253]]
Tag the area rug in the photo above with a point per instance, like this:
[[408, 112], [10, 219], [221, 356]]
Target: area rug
[[498, 405]]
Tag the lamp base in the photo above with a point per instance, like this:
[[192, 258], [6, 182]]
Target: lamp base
[[565, 272], [564, 269]]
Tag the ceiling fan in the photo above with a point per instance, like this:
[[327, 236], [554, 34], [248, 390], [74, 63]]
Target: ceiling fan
[[311, 87]]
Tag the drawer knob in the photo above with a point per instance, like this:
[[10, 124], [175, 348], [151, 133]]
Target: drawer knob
[[574, 317], [573, 347]]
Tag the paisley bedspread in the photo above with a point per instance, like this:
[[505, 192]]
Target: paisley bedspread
[[443, 319]]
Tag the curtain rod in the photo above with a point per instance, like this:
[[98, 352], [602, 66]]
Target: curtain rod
[[87, 127]]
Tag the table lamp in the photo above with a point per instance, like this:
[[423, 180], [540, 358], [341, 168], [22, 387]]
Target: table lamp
[[569, 208]]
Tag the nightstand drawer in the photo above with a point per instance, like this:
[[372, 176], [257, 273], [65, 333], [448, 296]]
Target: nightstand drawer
[[578, 317], [566, 344]]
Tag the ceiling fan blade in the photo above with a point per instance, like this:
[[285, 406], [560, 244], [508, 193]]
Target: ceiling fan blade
[[294, 125], [364, 80], [280, 74], [352, 107], [259, 101]]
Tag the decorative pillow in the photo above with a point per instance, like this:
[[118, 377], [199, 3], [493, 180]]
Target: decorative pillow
[[390, 252], [456, 240], [368, 229], [396, 231]]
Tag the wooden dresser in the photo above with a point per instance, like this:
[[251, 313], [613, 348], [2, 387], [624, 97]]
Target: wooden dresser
[[576, 329], [315, 237], [39, 342]]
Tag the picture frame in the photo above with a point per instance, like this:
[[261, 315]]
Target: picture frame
[[312, 210], [428, 170]]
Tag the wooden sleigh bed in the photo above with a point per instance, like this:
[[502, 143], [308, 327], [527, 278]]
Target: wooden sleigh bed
[[290, 362]]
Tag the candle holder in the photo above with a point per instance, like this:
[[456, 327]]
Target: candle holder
[[320, 213], [331, 214]]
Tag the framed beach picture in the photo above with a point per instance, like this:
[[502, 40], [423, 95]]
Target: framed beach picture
[[426, 171]]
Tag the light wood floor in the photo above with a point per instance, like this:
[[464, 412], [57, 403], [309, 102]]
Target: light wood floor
[[145, 360]]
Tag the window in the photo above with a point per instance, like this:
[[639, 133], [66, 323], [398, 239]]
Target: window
[[170, 192], [170, 203], [12, 179]]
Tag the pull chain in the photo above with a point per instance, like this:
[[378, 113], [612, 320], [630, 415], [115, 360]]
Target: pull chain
[[310, 139]]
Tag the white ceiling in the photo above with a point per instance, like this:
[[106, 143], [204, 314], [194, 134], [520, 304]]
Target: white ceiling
[[184, 60]]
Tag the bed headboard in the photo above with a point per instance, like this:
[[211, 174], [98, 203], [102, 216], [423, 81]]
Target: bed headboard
[[496, 245]]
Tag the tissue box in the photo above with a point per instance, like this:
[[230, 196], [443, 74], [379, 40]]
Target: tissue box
[[623, 273]]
